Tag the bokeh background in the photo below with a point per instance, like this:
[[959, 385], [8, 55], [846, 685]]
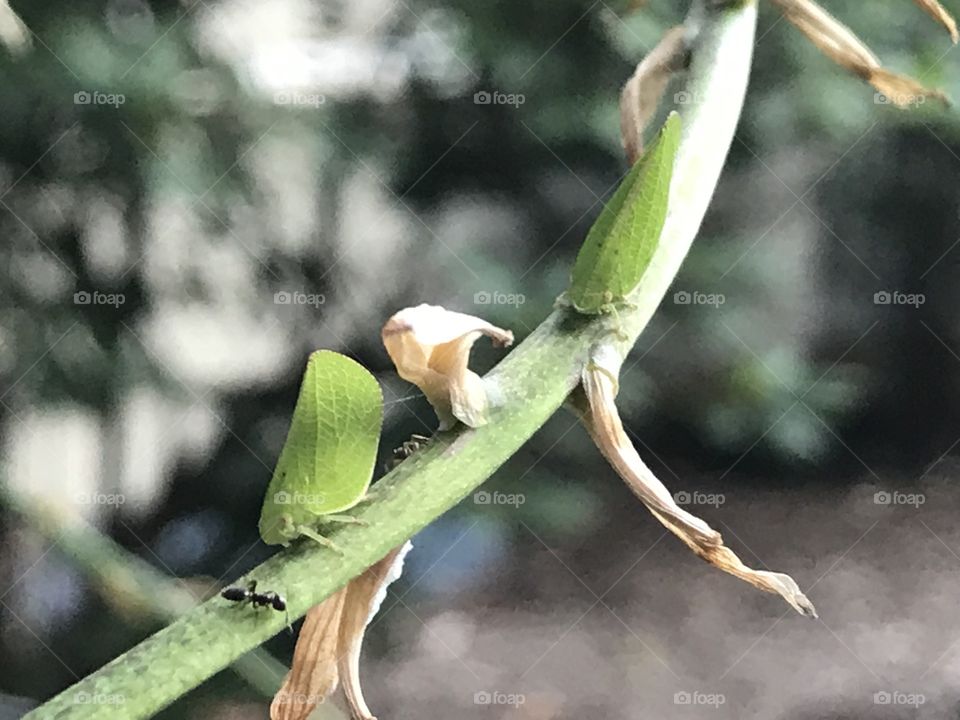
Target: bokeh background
[[172, 172]]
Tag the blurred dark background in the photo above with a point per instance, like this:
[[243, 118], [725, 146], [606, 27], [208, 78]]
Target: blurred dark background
[[172, 173]]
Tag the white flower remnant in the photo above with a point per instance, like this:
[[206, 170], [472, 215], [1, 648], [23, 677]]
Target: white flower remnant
[[430, 347]]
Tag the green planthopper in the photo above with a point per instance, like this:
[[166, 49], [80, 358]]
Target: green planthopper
[[327, 461]]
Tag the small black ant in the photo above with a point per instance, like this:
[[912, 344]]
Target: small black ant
[[411, 446], [258, 600]]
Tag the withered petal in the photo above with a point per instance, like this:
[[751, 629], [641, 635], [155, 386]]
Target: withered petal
[[430, 347], [903, 91], [643, 92], [328, 649], [313, 674], [840, 44], [364, 595], [602, 420], [939, 13]]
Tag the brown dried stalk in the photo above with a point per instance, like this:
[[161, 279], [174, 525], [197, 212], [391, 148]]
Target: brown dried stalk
[[644, 90], [328, 648], [840, 44], [602, 420]]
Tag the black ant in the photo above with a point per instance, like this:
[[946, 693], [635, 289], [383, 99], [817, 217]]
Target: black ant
[[258, 600], [414, 444]]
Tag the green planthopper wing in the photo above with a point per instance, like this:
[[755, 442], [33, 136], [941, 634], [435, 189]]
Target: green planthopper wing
[[328, 458], [621, 242]]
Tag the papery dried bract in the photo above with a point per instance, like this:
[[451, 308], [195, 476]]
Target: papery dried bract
[[364, 596], [940, 14], [643, 92], [602, 420], [328, 649], [314, 674], [841, 45], [430, 347]]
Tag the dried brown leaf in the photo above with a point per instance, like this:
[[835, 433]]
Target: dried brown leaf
[[313, 674], [362, 603], [903, 91], [840, 44], [834, 38], [643, 92], [602, 420], [328, 649], [939, 13]]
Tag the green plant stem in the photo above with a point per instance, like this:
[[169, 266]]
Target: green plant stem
[[134, 588], [534, 380]]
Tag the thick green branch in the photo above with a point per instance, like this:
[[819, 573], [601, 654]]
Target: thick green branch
[[533, 382]]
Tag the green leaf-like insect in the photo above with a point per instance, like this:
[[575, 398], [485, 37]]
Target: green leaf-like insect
[[328, 458], [621, 242]]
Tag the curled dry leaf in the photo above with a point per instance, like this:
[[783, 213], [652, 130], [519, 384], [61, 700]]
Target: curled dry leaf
[[328, 649], [841, 45], [430, 347], [643, 92], [602, 421], [940, 14]]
